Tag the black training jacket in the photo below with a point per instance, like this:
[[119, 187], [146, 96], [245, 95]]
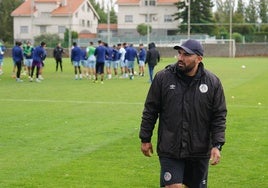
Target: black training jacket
[[191, 117], [153, 55]]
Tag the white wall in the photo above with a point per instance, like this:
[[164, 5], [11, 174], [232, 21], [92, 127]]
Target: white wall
[[139, 12]]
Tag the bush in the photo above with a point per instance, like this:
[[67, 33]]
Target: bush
[[237, 37], [264, 28], [244, 29], [142, 29], [50, 39]]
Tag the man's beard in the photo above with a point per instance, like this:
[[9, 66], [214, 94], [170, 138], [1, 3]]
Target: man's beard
[[185, 69]]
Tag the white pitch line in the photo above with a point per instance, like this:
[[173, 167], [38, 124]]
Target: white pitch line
[[77, 102], [110, 102], [247, 106]]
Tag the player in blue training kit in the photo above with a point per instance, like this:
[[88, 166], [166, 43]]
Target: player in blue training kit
[[131, 54], [17, 55], [75, 58], [100, 54]]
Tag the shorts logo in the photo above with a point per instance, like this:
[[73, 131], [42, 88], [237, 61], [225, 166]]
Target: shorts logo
[[167, 176], [203, 88]]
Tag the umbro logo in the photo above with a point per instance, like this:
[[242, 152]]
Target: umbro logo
[[172, 86]]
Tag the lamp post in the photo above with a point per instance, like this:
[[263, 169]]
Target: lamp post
[[108, 24], [230, 29], [70, 27], [148, 27], [188, 4], [32, 20]]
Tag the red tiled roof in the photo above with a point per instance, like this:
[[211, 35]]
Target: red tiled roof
[[25, 8], [138, 1], [127, 1], [87, 35], [105, 26], [167, 1], [46, 1], [72, 5]]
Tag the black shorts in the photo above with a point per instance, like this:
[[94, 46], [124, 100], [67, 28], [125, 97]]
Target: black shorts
[[190, 172], [100, 67]]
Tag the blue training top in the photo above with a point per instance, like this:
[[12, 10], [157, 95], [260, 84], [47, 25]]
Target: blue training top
[[2, 51], [142, 54], [100, 54], [116, 55], [76, 54], [109, 54], [131, 53], [39, 54], [17, 54]]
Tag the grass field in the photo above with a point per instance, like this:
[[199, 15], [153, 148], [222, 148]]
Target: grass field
[[73, 133]]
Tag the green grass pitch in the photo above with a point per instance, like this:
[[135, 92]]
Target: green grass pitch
[[74, 133]]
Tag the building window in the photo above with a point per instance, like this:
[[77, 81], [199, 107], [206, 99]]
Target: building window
[[129, 18], [88, 23], [43, 29], [168, 18], [148, 18], [24, 29], [155, 18], [61, 29], [83, 23], [45, 14], [76, 14], [150, 2]]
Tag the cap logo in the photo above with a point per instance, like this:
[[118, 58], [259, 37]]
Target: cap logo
[[167, 176], [203, 88]]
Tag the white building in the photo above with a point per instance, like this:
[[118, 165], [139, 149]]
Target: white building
[[35, 17], [156, 13]]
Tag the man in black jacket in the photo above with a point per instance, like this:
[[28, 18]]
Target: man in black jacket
[[189, 101], [57, 54], [152, 58]]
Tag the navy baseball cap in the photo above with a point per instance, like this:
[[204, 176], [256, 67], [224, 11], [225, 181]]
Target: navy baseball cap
[[191, 47]]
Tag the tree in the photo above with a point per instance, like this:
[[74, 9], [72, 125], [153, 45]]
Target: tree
[[263, 11], [240, 8], [74, 35], [239, 17], [251, 12], [201, 16], [113, 16], [142, 29], [6, 21], [222, 15], [240, 11], [103, 15]]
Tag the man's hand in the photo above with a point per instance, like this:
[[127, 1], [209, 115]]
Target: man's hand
[[147, 149], [215, 156]]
